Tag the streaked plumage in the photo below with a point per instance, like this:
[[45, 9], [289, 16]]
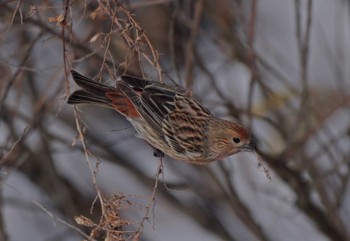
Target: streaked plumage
[[167, 118]]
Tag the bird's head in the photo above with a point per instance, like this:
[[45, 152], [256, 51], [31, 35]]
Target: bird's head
[[227, 138]]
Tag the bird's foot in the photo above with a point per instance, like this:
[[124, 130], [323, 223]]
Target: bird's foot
[[158, 153]]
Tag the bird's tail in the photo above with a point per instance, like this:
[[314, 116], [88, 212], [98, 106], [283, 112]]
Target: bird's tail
[[91, 92], [97, 93]]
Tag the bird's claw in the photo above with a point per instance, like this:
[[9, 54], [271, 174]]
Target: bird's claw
[[158, 153]]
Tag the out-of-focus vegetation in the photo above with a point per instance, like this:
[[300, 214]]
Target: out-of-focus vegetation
[[294, 100]]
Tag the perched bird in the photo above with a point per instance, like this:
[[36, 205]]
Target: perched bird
[[167, 118]]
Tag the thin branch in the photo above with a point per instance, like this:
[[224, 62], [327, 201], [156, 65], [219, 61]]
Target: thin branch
[[198, 9]]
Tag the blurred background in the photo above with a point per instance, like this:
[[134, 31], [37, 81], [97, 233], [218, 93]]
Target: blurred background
[[278, 67]]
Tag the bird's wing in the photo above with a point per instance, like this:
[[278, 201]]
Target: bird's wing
[[153, 101], [177, 118]]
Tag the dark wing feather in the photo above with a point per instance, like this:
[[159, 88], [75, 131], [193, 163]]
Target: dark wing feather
[[135, 82], [157, 101]]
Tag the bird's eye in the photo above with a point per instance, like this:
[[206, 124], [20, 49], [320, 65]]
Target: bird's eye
[[236, 140]]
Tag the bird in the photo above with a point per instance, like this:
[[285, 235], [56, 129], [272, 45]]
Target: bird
[[166, 117]]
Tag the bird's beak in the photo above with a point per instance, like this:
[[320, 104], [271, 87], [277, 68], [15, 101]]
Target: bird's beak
[[247, 148]]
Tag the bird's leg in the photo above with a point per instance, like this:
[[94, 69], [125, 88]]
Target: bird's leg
[[158, 153]]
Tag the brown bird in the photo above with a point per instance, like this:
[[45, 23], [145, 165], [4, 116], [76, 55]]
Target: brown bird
[[168, 118]]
